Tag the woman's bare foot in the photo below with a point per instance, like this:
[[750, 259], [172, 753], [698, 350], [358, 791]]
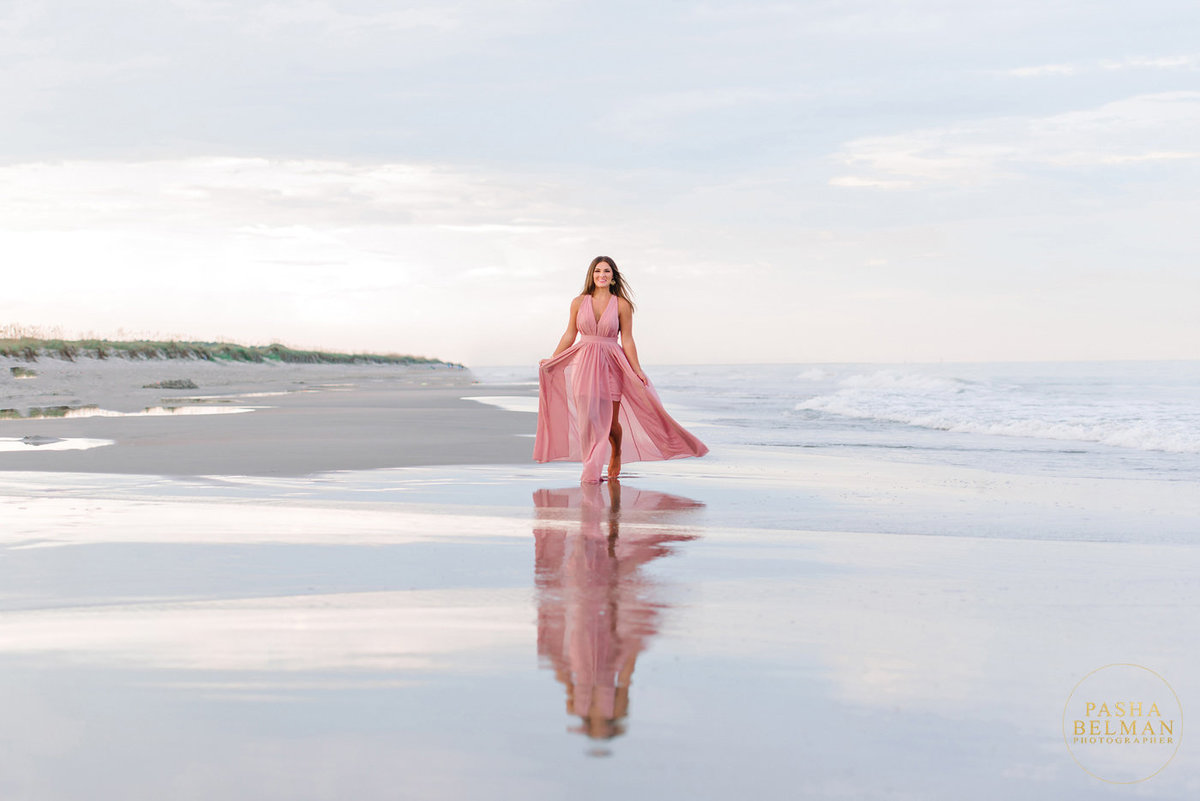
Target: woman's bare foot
[[614, 466]]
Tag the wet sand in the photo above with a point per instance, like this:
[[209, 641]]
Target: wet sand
[[746, 625]]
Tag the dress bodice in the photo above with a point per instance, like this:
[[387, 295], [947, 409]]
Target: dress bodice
[[609, 323]]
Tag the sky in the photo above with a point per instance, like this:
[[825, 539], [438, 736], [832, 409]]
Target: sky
[[866, 180]]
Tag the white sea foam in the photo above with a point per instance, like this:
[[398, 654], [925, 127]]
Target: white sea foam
[[897, 380], [1104, 415]]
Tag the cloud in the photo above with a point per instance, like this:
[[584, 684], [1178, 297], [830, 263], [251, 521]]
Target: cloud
[[1184, 62], [241, 193], [271, 226], [319, 252], [478, 264], [1141, 129], [336, 21], [661, 117], [855, 181]]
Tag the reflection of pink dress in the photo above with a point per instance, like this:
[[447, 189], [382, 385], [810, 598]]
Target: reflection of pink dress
[[577, 388], [597, 610]]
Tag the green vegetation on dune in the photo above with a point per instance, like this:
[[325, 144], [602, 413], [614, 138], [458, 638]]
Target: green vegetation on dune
[[37, 412], [31, 349]]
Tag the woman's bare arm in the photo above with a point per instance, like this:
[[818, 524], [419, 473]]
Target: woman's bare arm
[[625, 314], [568, 338]]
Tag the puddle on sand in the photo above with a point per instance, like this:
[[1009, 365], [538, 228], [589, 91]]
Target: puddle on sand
[[10, 444], [509, 403], [74, 412], [230, 398]]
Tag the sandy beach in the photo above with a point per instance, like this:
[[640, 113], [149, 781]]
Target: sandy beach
[[248, 419], [366, 589]]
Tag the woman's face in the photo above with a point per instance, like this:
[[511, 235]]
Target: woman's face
[[602, 274]]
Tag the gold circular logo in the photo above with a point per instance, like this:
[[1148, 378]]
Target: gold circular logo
[[1123, 723]]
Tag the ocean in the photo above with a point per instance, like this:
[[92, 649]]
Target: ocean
[[1090, 419]]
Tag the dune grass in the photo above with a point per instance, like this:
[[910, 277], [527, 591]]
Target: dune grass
[[38, 412], [30, 349]]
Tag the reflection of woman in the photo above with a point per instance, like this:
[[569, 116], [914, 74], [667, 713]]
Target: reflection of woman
[[596, 611], [594, 399]]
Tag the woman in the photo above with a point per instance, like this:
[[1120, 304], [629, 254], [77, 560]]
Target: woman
[[594, 399]]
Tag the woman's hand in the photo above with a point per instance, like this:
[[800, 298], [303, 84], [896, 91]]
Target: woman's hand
[[642, 376]]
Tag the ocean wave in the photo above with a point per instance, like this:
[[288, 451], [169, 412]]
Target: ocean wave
[[959, 406], [896, 380]]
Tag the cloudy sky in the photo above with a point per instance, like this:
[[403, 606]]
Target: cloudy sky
[[867, 180]]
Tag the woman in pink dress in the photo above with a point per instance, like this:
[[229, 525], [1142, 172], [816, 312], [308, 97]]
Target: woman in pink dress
[[595, 403]]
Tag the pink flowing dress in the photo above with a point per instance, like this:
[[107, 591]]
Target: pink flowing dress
[[576, 391]]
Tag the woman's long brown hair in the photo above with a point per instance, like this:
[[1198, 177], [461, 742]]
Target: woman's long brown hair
[[618, 286]]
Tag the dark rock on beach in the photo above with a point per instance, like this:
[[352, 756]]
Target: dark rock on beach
[[40, 440]]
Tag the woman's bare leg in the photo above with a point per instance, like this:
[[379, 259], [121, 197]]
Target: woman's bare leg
[[614, 437]]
